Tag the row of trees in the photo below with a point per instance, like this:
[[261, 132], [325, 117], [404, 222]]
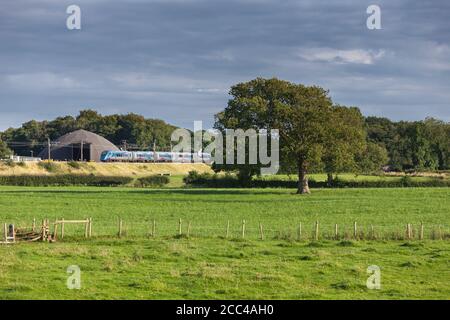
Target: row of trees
[[317, 135], [132, 128], [418, 145]]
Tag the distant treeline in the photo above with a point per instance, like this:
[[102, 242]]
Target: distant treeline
[[418, 145], [117, 128]]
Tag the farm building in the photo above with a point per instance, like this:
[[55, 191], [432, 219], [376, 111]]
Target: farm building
[[80, 145]]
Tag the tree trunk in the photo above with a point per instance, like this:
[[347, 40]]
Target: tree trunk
[[330, 179], [303, 187]]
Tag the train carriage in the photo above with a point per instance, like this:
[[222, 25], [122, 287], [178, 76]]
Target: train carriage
[[150, 156]]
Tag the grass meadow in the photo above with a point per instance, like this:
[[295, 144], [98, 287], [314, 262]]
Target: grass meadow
[[207, 265]]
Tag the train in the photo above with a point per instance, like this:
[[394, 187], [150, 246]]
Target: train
[[151, 156]]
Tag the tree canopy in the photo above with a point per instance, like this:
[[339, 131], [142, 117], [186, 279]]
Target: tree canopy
[[4, 150], [417, 145], [132, 128], [312, 131]]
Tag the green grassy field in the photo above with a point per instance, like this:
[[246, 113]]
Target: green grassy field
[[208, 266]]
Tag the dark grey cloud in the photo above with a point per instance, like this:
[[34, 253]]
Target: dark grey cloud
[[176, 59]]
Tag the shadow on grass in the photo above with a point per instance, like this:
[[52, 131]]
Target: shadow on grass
[[186, 191]]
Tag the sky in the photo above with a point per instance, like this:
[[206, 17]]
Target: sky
[[176, 59]]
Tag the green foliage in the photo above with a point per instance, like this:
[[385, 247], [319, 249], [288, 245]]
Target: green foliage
[[346, 142], [419, 145], [373, 158], [311, 130], [207, 180], [133, 128], [4, 150], [74, 164], [9, 163], [63, 180], [49, 166], [405, 182], [153, 181]]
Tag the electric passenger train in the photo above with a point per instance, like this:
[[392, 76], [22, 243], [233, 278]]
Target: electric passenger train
[[150, 156]]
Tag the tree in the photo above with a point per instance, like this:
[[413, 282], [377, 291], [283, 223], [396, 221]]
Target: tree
[[345, 142], [304, 116], [438, 135], [373, 158], [88, 120], [4, 150], [419, 145]]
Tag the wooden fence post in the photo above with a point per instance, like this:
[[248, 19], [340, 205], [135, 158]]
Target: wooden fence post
[[62, 228], [154, 228], [5, 232], [120, 227], [43, 230], [299, 232], [55, 231], [421, 231], [179, 228], [355, 230], [408, 231], [34, 225], [47, 229], [86, 228], [372, 232], [261, 231], [228, 230], [90, 227], [316, 235], [243, 229]]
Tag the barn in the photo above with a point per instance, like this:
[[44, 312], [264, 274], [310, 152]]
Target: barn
[[80, 145]]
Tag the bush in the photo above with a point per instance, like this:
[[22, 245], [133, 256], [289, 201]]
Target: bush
[[403, 182], [49, 166], [9, 163], [207, 180], [74, 165], [211, 181], [153, 181], [64, 180], [406, 181]]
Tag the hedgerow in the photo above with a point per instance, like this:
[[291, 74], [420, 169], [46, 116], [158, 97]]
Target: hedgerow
[[63, 180], [152, 181], [207, 180]]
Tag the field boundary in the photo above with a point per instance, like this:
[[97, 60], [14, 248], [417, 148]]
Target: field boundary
[[257, 231]]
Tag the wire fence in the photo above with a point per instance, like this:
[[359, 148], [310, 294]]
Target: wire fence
[[250, 230]]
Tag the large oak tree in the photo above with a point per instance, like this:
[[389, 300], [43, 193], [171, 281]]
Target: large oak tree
[[307, 121]]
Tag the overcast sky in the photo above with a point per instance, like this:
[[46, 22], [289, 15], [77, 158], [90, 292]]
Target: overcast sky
[[176, 59]]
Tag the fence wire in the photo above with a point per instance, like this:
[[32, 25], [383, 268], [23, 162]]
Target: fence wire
[[251, 230]]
